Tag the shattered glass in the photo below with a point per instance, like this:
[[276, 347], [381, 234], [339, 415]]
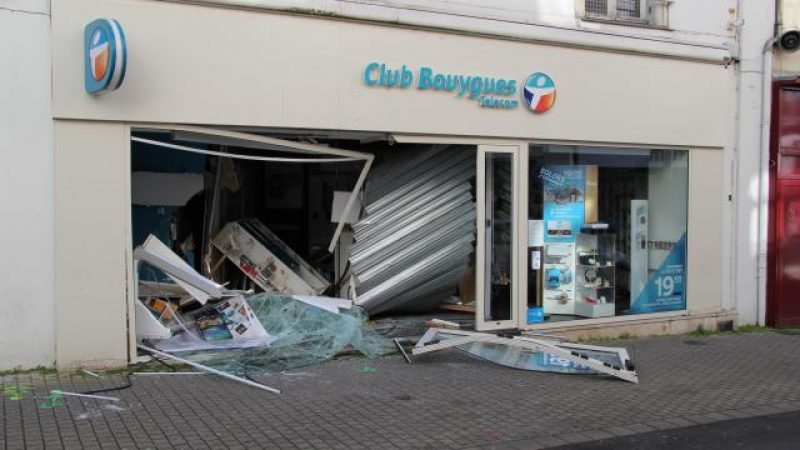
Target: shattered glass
[[306, 335]]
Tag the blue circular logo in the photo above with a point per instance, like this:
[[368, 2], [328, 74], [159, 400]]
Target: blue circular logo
[[105, 56], [539, 92]]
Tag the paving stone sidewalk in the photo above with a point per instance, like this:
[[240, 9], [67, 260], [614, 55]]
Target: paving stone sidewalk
[[446, 400]]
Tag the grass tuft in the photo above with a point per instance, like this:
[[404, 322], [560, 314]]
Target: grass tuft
[[700, 331]]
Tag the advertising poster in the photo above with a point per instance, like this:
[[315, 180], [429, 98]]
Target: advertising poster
[[665, 290], [564, 213], [638, 245]]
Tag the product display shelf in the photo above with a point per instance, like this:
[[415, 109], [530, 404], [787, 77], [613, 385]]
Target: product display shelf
[[595, 274]]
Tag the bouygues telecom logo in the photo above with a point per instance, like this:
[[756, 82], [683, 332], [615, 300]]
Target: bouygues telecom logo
[[539, 92], [105, 56]]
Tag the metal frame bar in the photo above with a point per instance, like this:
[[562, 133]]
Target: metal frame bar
[[237, 156], [210, 370]]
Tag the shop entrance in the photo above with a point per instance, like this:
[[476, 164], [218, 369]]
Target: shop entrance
[[783, 283], [498, 189], [787, 227]]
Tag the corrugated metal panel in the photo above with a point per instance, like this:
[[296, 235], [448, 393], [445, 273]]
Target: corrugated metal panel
[[416, 240]]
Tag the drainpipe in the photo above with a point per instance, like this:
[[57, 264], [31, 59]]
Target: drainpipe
[[763, 173], [763, 179], [755, 40]]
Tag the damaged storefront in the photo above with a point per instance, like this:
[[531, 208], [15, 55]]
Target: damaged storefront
[[229, 187]]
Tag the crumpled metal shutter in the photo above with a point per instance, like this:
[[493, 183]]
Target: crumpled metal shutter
[[416, 238]]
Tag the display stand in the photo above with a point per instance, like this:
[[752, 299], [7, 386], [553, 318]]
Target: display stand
[[595, 273], [559, 279]]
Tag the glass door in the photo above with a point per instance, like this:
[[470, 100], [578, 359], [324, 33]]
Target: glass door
[[497, 252]]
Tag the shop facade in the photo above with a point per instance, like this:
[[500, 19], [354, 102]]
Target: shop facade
[[600, 177]]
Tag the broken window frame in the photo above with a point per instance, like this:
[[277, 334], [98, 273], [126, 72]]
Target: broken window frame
[[235, 138], [222, 136]]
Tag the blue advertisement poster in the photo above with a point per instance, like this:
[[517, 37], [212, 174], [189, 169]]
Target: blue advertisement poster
[[563, 202], [665, 289]]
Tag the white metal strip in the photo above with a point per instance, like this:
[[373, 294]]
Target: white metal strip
[[350, 202], [280, 144], [210, 370], [202, 151], [448, 343]]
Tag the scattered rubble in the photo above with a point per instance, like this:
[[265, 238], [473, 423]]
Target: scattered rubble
[[235, 335]]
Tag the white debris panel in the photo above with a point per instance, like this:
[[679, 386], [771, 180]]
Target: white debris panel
[[267, 260], [416, 238], [532, 353]]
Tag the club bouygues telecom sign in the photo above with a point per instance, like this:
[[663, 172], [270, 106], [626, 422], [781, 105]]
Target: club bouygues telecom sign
[[538, 90]]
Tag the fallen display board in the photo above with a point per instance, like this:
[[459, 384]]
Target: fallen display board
[[530, 353]]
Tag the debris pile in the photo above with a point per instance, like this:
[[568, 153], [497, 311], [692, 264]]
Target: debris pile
[[234, 333], [194, 314], [304, 333]]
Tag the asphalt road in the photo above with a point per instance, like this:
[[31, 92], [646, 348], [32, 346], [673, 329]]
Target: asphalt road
[[774, 432]]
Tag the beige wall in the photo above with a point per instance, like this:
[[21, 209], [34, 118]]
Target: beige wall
[[787, 63], [705, 263], [237, 67], [92, 178], [27, 316]]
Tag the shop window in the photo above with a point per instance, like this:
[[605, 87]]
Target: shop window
[[607, 231]]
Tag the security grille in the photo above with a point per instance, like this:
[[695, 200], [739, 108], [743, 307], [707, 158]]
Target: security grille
[[597, 7], [629, 9], [614, 9]]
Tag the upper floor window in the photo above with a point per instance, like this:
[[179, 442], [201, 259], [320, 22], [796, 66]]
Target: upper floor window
[[635, 11]]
